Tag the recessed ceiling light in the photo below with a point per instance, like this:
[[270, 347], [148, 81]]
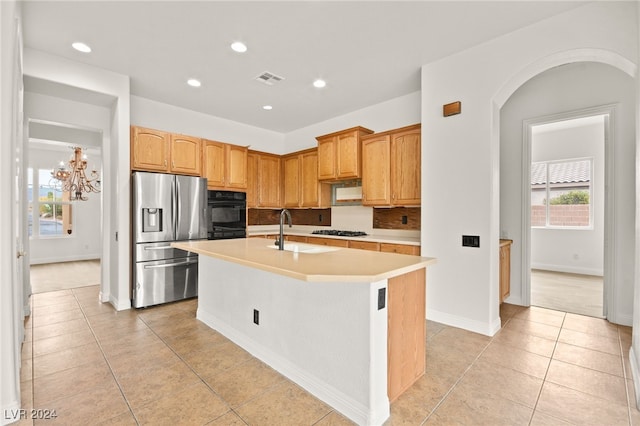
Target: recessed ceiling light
[[81, 47], [267, 107], [239, 47], [194, 83], [319, 83]]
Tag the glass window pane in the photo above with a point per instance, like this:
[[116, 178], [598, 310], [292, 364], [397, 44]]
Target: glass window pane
[[48, 222], [569, 190], [50, 188], [30, 185], [538, 194]]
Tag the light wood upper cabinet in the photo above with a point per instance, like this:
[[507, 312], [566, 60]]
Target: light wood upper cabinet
[[225, 165], [263, 186], [313, 192], [236, 166], [158, 151], [186, 155], [149, 149], [405, 167], [291, 180], [376, 171], [252, 179], [339, 154], [391, 168], [300, 181]]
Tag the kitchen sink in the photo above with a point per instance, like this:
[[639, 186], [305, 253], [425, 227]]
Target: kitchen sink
[[304, 248]]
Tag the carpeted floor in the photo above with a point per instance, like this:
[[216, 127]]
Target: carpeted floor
[[64, 275], [575, 293]]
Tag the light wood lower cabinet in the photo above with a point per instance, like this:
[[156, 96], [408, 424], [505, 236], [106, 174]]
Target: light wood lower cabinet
[[406, 332], [364, 245], [335, 242], [505, 269], [400, 248]]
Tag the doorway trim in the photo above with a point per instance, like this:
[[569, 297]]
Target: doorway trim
[[609, 111]]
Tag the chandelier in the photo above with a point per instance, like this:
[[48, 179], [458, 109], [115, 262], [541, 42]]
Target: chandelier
[[74, 180]]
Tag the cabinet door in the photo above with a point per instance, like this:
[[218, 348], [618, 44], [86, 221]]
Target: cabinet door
[[185, 155], [348, 156], [291, 180], [269, 181], [376, 171], [335, 242], [149, 149], [505, 271], [313, 193], [400, 248], [405, 168], [327, 158], [214, 160], [252, 179], [364, 245], [236, 167]]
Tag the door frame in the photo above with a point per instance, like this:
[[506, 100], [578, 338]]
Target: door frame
[[609, 111]]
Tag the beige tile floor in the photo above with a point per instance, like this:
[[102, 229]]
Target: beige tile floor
[[93, 365]]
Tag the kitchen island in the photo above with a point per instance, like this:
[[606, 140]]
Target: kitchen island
[[347, 325]]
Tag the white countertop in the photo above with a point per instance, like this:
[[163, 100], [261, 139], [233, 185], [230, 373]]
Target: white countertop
[[339, 265], [393, 239]]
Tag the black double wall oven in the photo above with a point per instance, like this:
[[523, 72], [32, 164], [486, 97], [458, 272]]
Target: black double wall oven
[[227, 215]]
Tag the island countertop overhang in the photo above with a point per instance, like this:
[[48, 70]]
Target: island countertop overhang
[[340, 265]]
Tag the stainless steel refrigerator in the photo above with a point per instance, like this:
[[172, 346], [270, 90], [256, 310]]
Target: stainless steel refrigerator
[[166, 208]]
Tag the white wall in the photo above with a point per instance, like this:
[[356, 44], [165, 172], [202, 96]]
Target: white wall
[[398, 112], [570, 88], [160, 116], [577, 251], [461, 156]]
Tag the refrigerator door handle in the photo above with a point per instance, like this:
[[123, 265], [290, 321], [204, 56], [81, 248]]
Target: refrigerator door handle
[[171, 265], [178, 201]]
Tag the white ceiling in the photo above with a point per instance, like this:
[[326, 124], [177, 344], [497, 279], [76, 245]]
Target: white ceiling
[[368, 52]]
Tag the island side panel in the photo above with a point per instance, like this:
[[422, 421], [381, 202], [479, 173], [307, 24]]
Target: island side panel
[[330, 338], [407, 331]]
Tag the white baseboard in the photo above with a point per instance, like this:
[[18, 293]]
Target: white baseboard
[[568, 269], [119, 304], [488, 329], [353, 410]]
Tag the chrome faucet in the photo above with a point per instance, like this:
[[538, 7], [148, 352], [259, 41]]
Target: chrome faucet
[[280, 242]]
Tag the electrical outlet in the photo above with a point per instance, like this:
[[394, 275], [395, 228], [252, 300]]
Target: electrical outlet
[[256, 317], [404, 220], [382, 298], [471, 241], [319, 218]]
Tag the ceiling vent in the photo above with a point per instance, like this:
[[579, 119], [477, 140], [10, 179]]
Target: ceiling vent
[[269, 78]]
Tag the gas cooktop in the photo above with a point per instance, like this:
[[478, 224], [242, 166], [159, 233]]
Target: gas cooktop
[[340, 233]]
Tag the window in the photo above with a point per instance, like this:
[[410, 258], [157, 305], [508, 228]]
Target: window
[[561, 193], [50, 211]]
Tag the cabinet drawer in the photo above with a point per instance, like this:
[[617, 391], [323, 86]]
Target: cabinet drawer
[[400, 248], [296, 238], [364, 245], [328, 242]]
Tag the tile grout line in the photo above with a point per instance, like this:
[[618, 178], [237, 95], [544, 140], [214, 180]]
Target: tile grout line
[[231, 409], [106, 360], [544, 379]]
